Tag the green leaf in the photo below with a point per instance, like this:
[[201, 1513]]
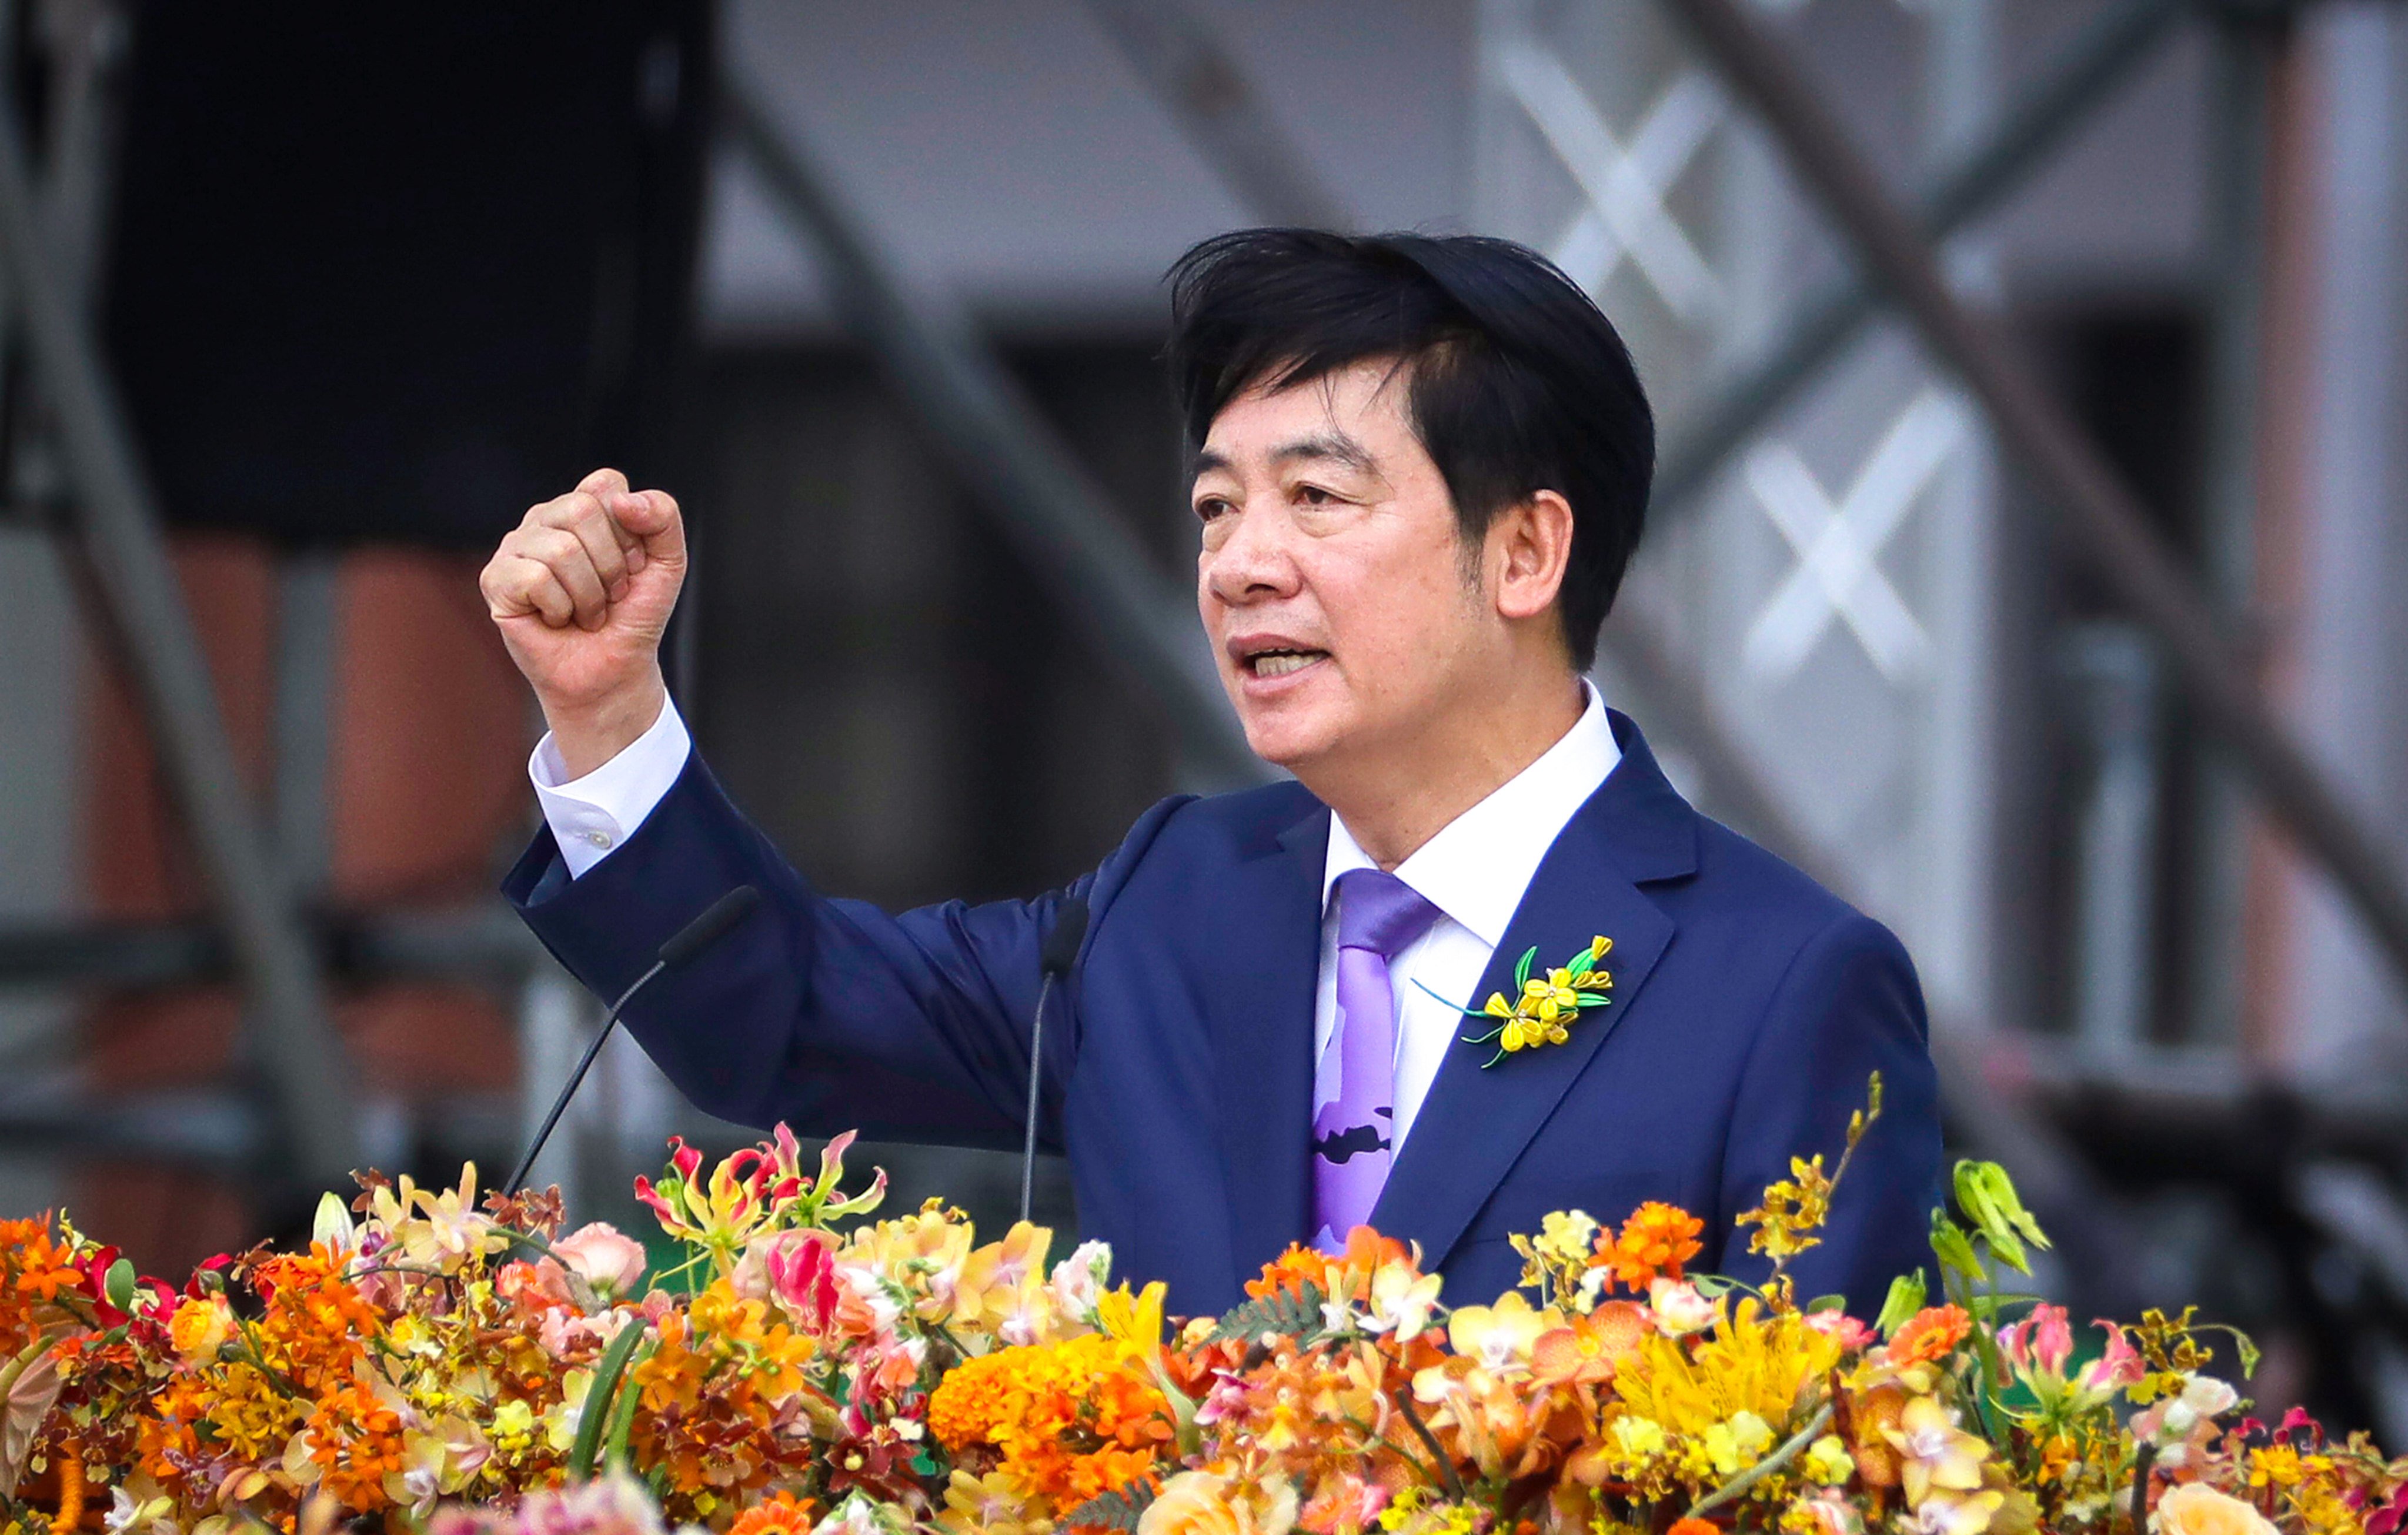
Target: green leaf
[[590, 1422], [119, 1282], [623, 1416], [1906, 1296], [1954, 1248], [1827, 1303], [1291, 1314], [1522, 971], [1115, 1510], [1988, 1197], [1582, 964]]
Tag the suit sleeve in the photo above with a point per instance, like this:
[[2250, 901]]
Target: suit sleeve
[[827, 1014], [1848, 1006]]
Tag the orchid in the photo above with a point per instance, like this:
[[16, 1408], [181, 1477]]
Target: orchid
[[433, 1366]]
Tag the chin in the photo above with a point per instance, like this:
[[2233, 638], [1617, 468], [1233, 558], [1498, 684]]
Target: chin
[[1292, 741]]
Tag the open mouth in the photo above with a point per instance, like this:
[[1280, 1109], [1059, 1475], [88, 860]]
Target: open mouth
[[1281, 663]]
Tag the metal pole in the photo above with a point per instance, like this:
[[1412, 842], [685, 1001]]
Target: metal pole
[[1004, 449], [2245, 51], [114, 513], [1226, 119], [2096, 512], [2077, 79]]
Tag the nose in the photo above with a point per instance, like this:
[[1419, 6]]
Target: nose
[[1251, 561]]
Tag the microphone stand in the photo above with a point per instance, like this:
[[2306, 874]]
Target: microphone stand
[[714, 923], [577, 1078], [1060, 953]]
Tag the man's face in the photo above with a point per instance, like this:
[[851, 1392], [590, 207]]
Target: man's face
[[1332, 581]]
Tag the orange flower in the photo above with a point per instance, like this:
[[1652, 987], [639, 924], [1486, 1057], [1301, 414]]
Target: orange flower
[[1690, 1525], [1585, 1350], [42, 1267], [1929, 1335], [1290, 1273], [782, 1514], [1073, 1419], [1654, 1242]]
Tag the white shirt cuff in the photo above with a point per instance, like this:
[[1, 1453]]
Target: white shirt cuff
[[591, 816]]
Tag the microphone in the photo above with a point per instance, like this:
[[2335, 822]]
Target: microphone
[[714, 923], [1054, 960]]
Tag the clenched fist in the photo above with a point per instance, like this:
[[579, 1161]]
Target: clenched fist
[[582, 591]]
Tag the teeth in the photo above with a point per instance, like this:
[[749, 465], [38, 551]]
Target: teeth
[[1281, 663]]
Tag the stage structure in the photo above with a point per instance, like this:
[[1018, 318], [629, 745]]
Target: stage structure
[[1821, 605], [1831, 586]]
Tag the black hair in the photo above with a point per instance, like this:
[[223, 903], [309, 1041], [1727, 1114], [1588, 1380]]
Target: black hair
[[1518, 381]]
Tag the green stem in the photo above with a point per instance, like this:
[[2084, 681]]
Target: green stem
[[597, 1399], [1429, 1441], [1737, 1486], [622, 1421]]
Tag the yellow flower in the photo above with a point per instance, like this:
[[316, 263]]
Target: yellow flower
[[1001, 1280], [1132, 1319], [1937, 1454], [2274, 1464], [1752, 1362], [1828, 1461], [1499, 1336], [200, 1327], [1738, 1442], [1640, 1439], [1793, 1210], [1546, 1003], [1565, 1236], [987, 1505], [1957, 1513]]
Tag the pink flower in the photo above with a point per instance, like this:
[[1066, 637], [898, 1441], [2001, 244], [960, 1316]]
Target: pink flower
[[2119, 1367], [802, 1276], [2043, 1340], [602, 1256], [1850, 1333]]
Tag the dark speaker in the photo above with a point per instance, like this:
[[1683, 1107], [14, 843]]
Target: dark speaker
[[398, 271]]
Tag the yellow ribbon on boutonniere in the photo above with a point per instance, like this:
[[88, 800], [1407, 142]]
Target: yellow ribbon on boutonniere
[[1545, 1005]]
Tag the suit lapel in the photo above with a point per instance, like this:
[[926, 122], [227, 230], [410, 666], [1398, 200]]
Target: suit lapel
[[1262, 1027], [1476, 1120]]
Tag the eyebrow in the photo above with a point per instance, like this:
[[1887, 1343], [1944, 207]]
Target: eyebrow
[[1321, 447]]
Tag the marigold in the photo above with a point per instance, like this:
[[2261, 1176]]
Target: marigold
[[1073, 1419], [1653, 1243]]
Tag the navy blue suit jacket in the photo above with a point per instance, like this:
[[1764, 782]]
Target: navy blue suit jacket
[[1750, 1007]]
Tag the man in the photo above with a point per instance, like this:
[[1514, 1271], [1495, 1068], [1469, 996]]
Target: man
[[1421, 467]]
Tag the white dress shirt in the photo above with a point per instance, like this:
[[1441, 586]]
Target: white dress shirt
[[591, 815], [1474, 871]]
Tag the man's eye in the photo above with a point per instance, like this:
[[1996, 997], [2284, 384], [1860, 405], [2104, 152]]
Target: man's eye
[[1313, 495], [1210, 507]]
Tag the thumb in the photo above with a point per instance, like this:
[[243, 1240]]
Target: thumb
[[653, 516]]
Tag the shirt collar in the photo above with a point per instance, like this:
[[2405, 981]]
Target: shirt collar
[[1477, 867]]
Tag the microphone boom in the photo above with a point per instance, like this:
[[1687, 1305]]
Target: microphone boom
[[715, 922]]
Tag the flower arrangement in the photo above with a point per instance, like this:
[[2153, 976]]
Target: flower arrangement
[[435, 1363]]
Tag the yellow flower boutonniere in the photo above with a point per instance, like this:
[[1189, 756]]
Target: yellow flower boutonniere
[[1546, 1004]]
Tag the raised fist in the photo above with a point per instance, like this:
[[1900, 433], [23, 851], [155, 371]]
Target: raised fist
[[582, 591]]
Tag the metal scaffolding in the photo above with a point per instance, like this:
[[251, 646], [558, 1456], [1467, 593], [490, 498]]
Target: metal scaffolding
[[1836, 443]]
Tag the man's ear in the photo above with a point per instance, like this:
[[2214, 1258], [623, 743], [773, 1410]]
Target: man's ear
[[1529, 549]]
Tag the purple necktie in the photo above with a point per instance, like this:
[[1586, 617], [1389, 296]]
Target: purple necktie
[[1353, 1089]]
